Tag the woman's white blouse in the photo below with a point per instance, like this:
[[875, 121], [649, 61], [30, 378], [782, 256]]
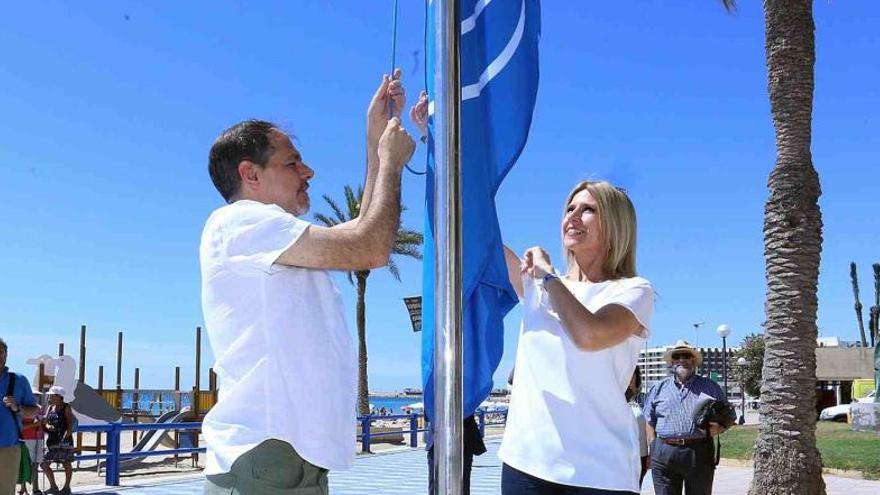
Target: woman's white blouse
[[569, 421]]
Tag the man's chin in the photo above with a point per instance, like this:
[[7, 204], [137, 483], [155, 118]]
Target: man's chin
[[302, 209]]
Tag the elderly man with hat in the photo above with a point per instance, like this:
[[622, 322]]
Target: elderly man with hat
[[682, 452]]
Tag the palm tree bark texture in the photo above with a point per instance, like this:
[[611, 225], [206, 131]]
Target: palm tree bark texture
[[406, 243], [786, 458]]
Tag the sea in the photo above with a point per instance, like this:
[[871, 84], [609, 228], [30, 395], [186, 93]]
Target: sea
[[393, 404], [154, 402]]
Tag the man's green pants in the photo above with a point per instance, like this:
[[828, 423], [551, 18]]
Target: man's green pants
[[271, 468]]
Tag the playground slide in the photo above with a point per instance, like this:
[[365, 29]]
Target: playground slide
[[153, 438]]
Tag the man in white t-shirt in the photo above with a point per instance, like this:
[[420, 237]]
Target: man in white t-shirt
[[284, 359]]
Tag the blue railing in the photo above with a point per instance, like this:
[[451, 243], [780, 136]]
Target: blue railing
[[366, 436], [113, 457]]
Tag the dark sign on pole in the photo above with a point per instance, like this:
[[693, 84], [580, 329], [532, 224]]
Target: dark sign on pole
[[414, 306]]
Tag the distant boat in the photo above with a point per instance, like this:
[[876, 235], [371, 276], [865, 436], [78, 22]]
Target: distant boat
[[411, 391]]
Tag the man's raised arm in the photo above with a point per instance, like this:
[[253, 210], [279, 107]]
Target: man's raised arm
[[367, 243]]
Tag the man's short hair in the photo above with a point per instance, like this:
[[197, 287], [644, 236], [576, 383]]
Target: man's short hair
[[247, 140], [3, 345]]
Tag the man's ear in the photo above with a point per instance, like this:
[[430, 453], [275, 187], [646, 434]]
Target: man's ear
[[249, 173]]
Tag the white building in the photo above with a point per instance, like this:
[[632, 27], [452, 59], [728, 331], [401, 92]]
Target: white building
[[654, 368]]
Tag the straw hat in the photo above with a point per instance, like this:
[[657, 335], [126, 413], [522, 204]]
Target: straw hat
[[682, 345]]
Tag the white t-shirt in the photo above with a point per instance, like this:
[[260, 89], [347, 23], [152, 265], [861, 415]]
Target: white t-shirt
[[285, 363], [643, 432], [569, 422]]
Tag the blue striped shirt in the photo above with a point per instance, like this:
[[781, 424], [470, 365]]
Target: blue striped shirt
[[669, 406]]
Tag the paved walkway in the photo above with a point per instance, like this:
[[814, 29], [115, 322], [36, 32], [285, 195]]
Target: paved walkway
[[404, 473]]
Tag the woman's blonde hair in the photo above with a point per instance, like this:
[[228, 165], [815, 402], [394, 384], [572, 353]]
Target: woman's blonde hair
[[617, 216]]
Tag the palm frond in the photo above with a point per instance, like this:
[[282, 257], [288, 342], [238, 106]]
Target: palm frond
[[336, 209], [407, 236], [350, 277], [413, 246], [410, 251], [352, 202], [395, 271], [730, 5], [325, 220]]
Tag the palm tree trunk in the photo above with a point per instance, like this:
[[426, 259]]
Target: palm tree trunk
[[875, 311], [786, 458], [363, 387], [853, 275]]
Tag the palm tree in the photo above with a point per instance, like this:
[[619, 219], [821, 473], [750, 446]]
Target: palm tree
[[855, 284], [406, 243], [786, 458], [875, 314]]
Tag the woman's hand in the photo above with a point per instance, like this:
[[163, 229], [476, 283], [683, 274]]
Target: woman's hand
[[419, 113], [536, 263]]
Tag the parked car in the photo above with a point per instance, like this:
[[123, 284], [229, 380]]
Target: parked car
[[841, 411]]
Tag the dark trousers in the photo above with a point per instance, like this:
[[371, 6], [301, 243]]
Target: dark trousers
[[691, 466], [516, 482]]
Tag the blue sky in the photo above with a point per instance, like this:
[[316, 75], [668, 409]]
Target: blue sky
[[109, 110]]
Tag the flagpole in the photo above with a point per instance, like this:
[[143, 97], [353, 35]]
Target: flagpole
[[448, 295]]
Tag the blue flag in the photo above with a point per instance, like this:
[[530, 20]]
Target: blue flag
[[499, 77]]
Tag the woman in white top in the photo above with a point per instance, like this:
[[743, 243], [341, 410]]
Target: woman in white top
[[569, 428], [632, 397]]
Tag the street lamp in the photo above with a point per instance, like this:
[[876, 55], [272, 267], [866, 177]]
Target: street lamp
[[742, 362], [723, 331], [696, 335]]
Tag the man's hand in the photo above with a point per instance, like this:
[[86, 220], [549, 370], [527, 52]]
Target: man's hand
[[715, 429], [419, 113], [388, 101], [536, 262], [9, 401], [396, 146]]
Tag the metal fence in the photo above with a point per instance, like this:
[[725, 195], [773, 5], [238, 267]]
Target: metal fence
[[113, 455]]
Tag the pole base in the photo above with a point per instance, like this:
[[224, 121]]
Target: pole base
[[865, 416]]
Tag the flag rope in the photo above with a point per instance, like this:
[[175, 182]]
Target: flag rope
[[393, 62]]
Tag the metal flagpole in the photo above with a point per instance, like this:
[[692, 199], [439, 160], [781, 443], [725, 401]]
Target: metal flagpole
[[448, 296]]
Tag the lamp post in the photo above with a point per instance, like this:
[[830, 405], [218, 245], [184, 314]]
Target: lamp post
[[696, 335], [723, 331], [742, 362]]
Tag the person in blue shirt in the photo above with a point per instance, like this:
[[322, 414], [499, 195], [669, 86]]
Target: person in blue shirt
[[18, 400], [682, 452]]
